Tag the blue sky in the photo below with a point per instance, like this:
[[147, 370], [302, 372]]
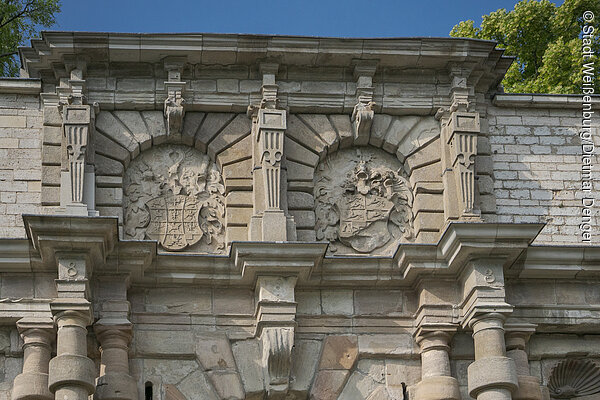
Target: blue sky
[[349, 18]]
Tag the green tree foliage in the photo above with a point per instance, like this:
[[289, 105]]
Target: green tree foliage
[[545, 39], [19, 21]]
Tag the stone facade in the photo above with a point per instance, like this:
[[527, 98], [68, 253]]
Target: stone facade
[[197, 216]]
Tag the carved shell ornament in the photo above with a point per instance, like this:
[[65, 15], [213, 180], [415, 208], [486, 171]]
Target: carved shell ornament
[[175, 195], [574, 378], [363, 201]]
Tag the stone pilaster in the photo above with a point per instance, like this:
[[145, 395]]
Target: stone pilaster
[[38, 335], [460, 128], [270, 218], [114, 332], [437, 382], [115, 382], [78, 176], [492, 376], [72, 373], [517, 336]]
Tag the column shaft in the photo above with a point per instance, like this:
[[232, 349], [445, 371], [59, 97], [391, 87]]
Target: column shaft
[[492, 376], [437, 382], [72, 373], [114, 382], [32, 383], [529, 386]]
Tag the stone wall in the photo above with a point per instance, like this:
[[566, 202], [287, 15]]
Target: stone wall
[[20, 161], [536, 156]]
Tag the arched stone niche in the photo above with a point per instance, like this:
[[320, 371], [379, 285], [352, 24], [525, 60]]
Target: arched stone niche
[[174, 194]]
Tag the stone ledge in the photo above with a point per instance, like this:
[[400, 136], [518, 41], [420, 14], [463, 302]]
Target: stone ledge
[[543, 100], [20, 85]]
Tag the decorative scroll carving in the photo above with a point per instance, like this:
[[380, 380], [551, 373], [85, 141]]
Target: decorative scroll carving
[[277, 346], [574, 378], [363, 200], [174, 195]]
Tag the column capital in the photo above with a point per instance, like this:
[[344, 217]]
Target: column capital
[[40, 331], [517, 335], [72, 312], [120, 330]]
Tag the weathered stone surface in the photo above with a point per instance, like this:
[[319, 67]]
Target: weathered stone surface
[[247, 357], [177, 301], [337, 302], [397, 345], [371, 302], [156, 344], [339, 352], [196, 386], [328, 384]]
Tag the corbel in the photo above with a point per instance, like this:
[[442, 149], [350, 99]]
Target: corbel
[[174, 109], [275, 328], [270, 220], [363, 113]]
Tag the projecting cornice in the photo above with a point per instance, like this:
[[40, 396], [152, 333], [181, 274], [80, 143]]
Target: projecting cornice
[[238, 49]]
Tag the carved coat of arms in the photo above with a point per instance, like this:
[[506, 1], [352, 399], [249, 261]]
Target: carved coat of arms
[[362, 201], [174, 195]]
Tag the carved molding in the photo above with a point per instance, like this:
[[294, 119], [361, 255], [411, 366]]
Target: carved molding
[[175, 195], [363, 200]]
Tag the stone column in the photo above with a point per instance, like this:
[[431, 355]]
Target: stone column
[[38, 335], [72, 373], [516, 340], [492, 376], [114, 382], [437, 382]]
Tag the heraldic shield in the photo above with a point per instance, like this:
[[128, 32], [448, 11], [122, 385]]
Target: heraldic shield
[[174, 221], [359, 211]]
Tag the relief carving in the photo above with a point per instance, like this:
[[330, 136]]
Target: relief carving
[[363, 201], [574, 378], [175, 195]]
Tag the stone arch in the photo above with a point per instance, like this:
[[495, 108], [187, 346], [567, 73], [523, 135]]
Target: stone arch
[[414, 140], [122, 135]]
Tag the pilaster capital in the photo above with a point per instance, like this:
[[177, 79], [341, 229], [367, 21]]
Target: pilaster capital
[[517, 334], [72, 312], [113, 332], [435, 339], [37, 331], [490, 320]]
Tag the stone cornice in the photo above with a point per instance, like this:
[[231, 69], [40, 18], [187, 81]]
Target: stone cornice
[[50, 235], [20, 85], [228, 49], [460, 243], [532, 100]]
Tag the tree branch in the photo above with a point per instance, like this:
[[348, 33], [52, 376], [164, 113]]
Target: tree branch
[[12, 53], [17, 15]]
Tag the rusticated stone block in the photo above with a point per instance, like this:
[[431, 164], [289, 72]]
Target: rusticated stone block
[[328, 384], [339, 352]]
